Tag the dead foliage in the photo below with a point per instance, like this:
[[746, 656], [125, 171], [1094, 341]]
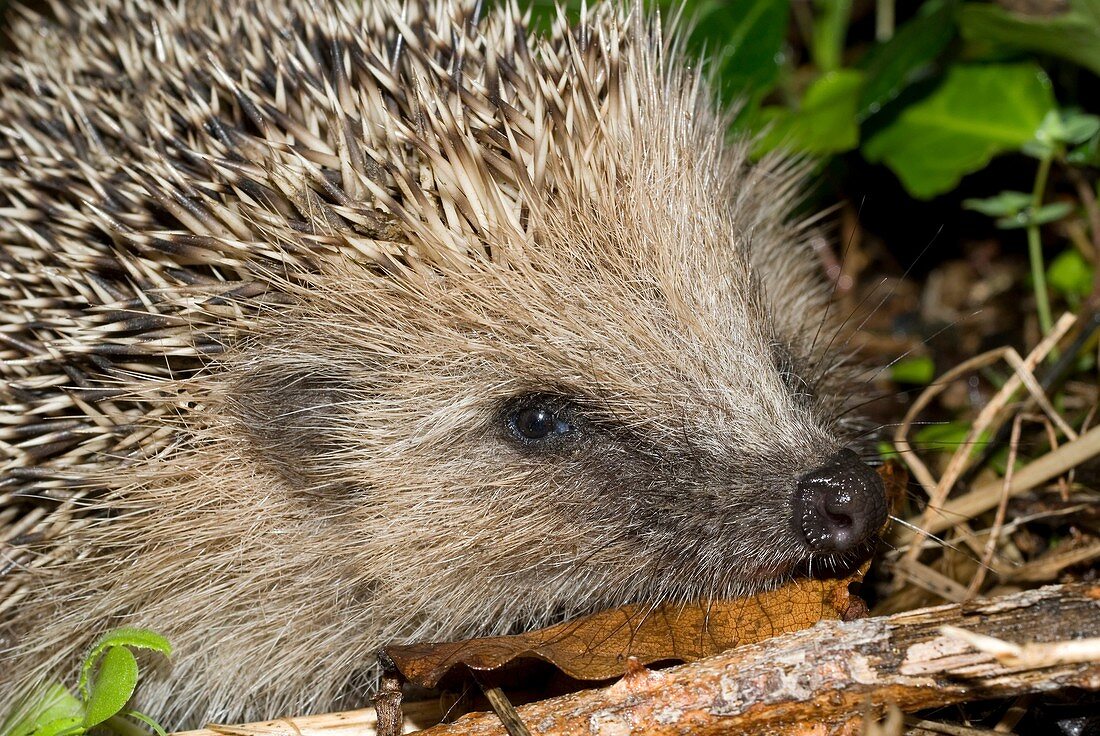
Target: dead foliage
[[599, 646]]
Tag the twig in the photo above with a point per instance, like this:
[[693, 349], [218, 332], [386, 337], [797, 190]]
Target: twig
[[504, 709], [387, 702], [1050, 654], [1092, 208]]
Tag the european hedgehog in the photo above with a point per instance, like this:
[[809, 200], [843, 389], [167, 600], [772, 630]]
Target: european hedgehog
[[328, 325]]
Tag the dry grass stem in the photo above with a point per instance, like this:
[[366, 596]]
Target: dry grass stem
[[1031, 656], [986, 497], [939, 489], [999, 519]]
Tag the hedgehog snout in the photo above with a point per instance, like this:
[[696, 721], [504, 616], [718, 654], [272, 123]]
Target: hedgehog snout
[[839, 505]]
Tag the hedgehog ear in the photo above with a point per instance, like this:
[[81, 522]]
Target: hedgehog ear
[[290, 417]]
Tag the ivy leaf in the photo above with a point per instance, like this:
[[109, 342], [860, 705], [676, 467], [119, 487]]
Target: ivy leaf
[[745, 43], [906, 57], [114, 685], [977, 112], [1074, 35], [825, 121]]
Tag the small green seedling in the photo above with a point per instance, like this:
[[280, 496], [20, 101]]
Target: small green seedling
[[919, 370], [108, 678], [1071, 275], [1059, 132], [1013, 210], [1061, 129]]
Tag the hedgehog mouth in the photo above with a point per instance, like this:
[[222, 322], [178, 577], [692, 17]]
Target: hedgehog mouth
[[835, 564]]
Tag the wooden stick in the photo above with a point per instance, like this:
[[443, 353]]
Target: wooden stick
[[504, 709]]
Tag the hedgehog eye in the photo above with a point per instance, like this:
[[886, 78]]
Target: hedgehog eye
[[538, 422]]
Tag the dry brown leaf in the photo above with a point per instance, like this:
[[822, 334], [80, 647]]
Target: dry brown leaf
[[895, 477], [596, 647]]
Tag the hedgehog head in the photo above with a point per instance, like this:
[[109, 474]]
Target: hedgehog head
[[621, 401], [336, 326]]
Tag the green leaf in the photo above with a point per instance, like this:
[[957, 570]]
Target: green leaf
[[1060, 129], [1043, 215], [61, 727], [1086, 154], [744, 41], [49, 707], [1074, 35], [947, 437], [920, 370], [1078, 127], [1050, 213], [1048, 138], [124, 637], [887, 451], [825, 121], [1071, 275], [906, 57], [999, 462], [136, 639], [113, 687], [977, 112], [1086, 361], [1002, 205]]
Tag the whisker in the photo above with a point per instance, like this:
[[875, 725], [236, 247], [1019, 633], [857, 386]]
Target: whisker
[[939, 540], [897, 282], [843, 258]]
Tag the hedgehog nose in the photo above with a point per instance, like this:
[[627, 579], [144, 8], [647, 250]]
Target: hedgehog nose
[[840, 505]]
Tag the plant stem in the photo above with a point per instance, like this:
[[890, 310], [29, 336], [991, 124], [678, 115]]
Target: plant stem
[[884, 20], [1035, 247], [124, 727], [830, 32]]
